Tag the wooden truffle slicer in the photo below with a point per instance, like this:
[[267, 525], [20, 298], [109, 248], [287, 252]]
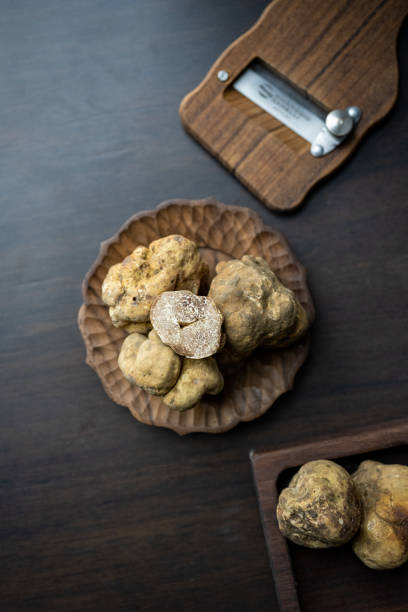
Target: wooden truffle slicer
[[288, 101]]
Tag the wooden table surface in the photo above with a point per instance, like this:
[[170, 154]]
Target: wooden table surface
[[100, 512]]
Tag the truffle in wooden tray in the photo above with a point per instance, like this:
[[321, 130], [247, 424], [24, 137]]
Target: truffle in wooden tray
[[332, 579]]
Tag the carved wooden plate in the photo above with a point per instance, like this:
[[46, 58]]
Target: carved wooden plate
[[221, 232]]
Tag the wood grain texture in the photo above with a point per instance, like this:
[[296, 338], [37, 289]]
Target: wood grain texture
[[99, 513], [338, 53], [268, 466], [221, 232]]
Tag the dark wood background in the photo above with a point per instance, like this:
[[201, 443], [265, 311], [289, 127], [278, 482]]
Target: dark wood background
[[99, 512]]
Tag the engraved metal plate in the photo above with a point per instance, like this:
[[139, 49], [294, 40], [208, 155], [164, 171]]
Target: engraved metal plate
[[325, 131]]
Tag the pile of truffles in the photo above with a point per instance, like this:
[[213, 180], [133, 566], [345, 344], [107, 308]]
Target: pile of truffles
[[158, 290], [324, 506]]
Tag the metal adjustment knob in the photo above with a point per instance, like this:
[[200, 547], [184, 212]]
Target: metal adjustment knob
[[339, 122]]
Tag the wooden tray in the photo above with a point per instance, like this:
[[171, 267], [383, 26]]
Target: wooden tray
[[339, 54], [332, 579], [221, 232]]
